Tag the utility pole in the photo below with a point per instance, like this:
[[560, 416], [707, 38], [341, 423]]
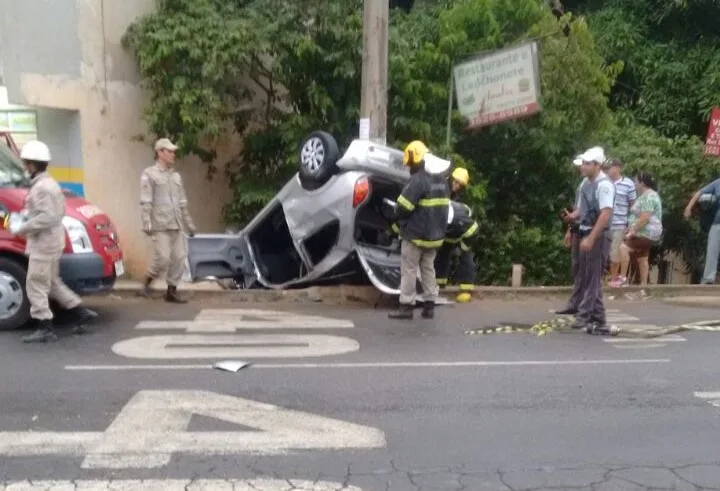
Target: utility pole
[[373, 99]]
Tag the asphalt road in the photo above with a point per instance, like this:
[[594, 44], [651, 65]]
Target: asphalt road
[[377, 405]]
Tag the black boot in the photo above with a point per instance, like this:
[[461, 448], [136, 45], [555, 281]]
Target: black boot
[[566, 311], [145, 292], [81, 317], [428, 311], [172, 296], [44, 333], [403, 312]]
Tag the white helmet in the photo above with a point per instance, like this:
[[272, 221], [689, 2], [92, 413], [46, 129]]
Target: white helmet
[[36, 151]]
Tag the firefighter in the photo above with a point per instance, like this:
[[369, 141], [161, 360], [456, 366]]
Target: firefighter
[[462, 231], [164, 216], [421, 216], [43, 229]]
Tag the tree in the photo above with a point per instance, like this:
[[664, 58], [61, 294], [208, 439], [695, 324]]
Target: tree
[[274, 71]]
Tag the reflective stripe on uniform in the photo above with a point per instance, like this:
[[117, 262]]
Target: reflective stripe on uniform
[[430, 244], [464, 246], [434, 202], [466, 286], [394, 227], [441, 281], [405, 203], [474, 228]]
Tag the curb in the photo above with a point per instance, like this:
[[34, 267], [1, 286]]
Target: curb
[[365, 294]]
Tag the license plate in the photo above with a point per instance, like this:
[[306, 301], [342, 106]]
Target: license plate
[[119, 268]]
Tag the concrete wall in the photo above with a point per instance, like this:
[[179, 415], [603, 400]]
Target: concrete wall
[[67, 54]]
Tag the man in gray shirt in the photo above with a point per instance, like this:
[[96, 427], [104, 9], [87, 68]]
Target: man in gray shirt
[[597, 196]]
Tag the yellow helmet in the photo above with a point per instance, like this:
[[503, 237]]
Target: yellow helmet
[[461, 175], [414, 153]]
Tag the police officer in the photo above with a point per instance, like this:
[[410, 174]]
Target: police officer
[[45, 235], [597, 197], [164, 216], [421, 214], [461, 232]]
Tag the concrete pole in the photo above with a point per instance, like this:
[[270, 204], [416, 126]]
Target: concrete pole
[[373, 100]]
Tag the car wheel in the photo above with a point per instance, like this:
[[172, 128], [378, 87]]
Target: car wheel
[[14, 304], [319, 154]]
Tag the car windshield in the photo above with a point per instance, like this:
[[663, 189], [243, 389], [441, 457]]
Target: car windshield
[[11, 170]]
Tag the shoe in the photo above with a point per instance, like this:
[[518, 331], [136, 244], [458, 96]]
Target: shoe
[[463, 297], [428, 311], [580, 324], [566, 311], [601, 329], [82, 316], [403, 312], [618, 282], [145, 292], [44, 333], [172, 296]]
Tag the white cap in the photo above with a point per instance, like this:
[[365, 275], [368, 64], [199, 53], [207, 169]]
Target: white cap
[[594, 154], [577, 160], [165, 144], [36, 151]]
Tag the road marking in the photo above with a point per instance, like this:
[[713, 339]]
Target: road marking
[[177, 485], [184, 346], [213, 323], [614, 316], [712, 398], [231, 320], [152, 426], [671, 338], [431, 364]]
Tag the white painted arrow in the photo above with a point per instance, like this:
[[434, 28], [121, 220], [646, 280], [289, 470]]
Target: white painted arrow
[[152, 426]]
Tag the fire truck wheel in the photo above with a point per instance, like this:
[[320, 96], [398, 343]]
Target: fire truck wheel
[[14, 304]]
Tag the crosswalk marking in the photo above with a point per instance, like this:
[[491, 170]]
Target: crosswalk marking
[[616, 316], [712, 398]]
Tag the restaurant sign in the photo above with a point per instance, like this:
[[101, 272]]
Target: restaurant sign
[[499, 86]]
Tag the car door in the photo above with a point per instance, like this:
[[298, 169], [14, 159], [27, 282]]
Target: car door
[[217, 256]]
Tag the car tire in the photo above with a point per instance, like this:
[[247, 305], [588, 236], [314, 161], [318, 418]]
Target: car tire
[[319, 154], [14, 303]]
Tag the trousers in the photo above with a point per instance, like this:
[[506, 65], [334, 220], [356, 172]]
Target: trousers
[[711, 256], [43, 282], [413, 258], [168, 257], [465, 272], [576, 295], [590, 272]]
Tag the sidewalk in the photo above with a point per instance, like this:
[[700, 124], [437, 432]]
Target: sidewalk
[[698, 295]]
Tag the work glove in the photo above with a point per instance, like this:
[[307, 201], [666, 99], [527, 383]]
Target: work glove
[[191, 232]]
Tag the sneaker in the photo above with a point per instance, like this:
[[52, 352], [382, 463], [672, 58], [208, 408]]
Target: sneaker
[[618, 282]]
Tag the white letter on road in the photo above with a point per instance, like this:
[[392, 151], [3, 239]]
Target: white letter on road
[[186, 346]]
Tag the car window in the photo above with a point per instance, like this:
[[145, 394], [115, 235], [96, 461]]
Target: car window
[[11, 169]]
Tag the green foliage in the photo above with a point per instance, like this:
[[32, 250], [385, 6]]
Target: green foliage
[[272, 72], [669, 51]]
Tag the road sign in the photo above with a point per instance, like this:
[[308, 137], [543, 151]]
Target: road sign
[[153, 426], [712, 142]]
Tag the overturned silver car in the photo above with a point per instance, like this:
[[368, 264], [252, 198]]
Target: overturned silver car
[[330, 223]]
